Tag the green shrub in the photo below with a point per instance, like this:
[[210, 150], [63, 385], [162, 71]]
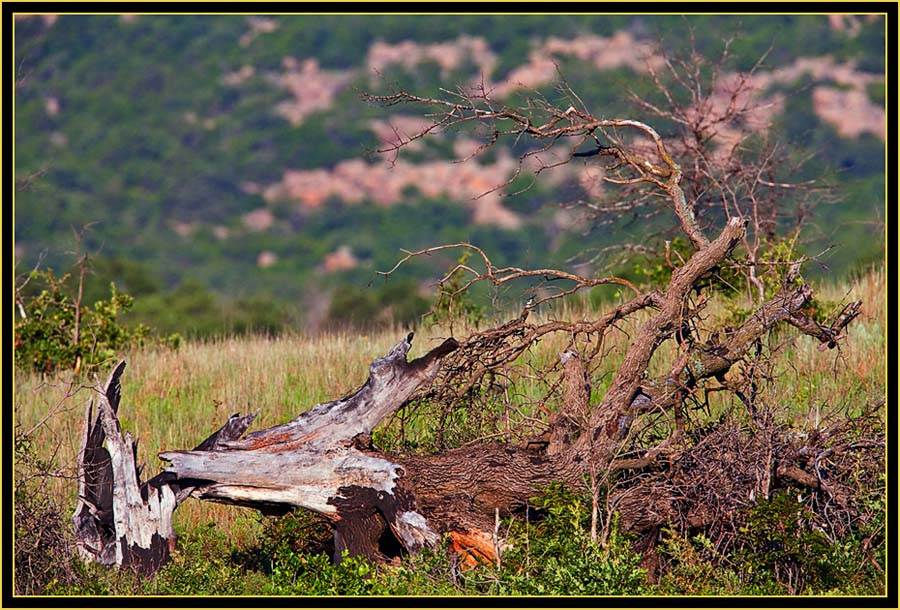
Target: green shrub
[[783, 553], [56, 331], [429, 572], [692, 567], [316, 574], [203, 565], [556, 556], [292, 557]]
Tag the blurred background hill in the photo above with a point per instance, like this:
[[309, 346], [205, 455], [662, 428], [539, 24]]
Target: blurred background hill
[[221, 169]]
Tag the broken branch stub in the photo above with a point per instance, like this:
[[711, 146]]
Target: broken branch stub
[[391, 381], [114, 523], [118, 521]]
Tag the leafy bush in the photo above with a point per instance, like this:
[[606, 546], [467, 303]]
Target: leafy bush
[[857, 562], [693, 567], [203, 565], [430, 572], [198, 313], [556, 555], [782, 555], [782, 543], [55, 331], [316, 574], [292, 556]]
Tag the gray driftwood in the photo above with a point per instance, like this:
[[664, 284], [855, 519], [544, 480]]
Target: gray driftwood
[[119, 521], [321, 461]]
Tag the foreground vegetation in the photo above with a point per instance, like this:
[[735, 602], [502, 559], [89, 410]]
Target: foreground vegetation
[[173, 398]]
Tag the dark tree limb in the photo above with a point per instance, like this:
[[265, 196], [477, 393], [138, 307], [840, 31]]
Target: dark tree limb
[[611, 419]]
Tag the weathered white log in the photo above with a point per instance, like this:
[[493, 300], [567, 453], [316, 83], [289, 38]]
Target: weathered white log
[[298, 477], [392, 380], [318, 461]]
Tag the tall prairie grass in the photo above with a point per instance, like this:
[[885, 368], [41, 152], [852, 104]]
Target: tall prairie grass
[[173, 399]]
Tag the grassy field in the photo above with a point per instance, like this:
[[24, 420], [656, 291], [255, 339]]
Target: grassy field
[[173, 399]]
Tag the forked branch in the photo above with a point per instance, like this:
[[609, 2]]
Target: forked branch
[[550, 126]]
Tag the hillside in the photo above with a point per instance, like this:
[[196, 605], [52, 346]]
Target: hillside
[[225, 164]]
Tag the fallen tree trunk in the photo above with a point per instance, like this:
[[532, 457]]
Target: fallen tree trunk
[[319, 461], [322, 461], [380, 505]]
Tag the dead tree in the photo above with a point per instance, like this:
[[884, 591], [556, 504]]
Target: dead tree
[[381, 505], [321, 461]]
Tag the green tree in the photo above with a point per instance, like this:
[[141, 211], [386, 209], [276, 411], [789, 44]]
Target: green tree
[[55, 330]]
